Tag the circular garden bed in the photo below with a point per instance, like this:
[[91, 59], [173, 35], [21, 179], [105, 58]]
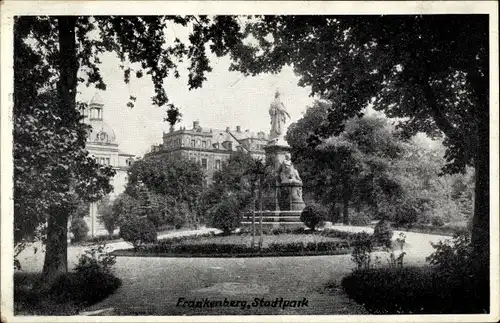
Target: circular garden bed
[[278, 242]]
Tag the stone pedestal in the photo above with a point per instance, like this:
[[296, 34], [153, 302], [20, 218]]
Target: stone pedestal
[[290, 197], [288, 193]]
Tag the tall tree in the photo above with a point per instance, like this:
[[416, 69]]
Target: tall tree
[[431, 70], [58, 48], [349, 169]]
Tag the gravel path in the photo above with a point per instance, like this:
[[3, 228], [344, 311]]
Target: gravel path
[[32, 261]]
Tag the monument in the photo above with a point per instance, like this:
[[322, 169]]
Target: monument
[[287, 193], [288, 183]]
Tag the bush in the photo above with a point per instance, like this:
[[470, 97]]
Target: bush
[[360, 219], [84, 289], [408, 212], [95, 260], [382, 234], [437, 221], [79, 229], [92, 281], [362, 249], [226, 215], [414, 290], [138, 231], [313, 215]]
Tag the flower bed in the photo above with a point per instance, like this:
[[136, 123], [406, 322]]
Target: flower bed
[[240, 246]]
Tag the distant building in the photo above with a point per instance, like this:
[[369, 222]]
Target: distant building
[[209, 147], [102, 145]]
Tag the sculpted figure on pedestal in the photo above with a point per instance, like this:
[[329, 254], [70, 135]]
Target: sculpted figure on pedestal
[[279, 115], [287, 172]]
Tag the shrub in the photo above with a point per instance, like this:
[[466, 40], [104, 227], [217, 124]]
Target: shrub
[[360, 219], [313, 215], [414, 290], [84, 289], [362, 248], [138, 231], [226, 215], [408, 212], [453, 258], [437, 221], [382, 234], [79, 229], [96, 260]]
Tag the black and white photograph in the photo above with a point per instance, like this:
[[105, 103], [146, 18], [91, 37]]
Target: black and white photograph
[[249, 161]]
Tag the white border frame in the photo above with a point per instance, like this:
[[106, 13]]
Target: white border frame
[[12, 8]]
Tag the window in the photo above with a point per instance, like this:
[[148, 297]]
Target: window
[[107, 161], [204, 144], [204, 163], [217, 164], [193, 142]]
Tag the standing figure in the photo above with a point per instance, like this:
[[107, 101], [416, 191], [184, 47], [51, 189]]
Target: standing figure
[[278, 114]]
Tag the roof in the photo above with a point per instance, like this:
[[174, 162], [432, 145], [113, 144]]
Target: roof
[[96, 100], [101, 132], [122, 153]]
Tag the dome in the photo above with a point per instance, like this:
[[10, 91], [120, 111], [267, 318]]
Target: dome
[[96, 100], [101, 132]]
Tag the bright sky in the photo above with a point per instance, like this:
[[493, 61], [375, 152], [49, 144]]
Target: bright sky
[[227, 99]]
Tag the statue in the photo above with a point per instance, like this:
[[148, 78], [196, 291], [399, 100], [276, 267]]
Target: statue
[[287, 172], [278, 114], [290, 186]]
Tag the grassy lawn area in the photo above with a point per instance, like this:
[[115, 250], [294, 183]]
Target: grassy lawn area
[[246, 239], [239, 245]]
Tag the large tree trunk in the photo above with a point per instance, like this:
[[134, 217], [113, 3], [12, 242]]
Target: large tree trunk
[[56, 258], [345, 211], [56, 253], [481, 218], [261, 207], [345, 203]]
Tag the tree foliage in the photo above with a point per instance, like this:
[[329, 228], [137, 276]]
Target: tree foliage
[[60, 52], [178, 179], [414, 67]]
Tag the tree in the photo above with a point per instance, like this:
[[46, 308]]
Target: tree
[[352, 168], [261, 178], [179, 179], [411, 67], [53, 174], [49, 53], [106, 216]]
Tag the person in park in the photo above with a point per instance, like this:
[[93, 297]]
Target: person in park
[[278, 114]]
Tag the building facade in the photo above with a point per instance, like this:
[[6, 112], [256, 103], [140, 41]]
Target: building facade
[[209, 147], [102, 145]]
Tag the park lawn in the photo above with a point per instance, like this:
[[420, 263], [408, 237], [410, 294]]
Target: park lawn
[[246, 239]]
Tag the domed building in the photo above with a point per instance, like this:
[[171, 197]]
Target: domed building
[[102, 145]]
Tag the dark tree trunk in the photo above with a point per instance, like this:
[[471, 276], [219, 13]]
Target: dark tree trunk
[[56, 258], [345, 211], [261, 207], [481, 218], [345, 203], [56, 253]]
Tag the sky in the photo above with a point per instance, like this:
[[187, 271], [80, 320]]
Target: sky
[[227, 99]]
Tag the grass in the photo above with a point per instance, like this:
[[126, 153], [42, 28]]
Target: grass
[[239, 245], [267, 239], [67, 296], [416, 290]]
